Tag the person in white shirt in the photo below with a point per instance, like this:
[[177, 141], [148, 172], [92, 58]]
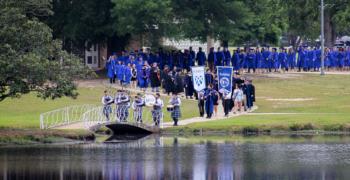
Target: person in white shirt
[[107, 100], [122, 102], [137, 105], [238, 98], [226, 97], [176, 113], [157, 113]]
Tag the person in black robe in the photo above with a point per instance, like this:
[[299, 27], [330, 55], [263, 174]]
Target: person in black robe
[[167, 82], [189, 85], [249, 91], [155, 78], [178, 82], [201, 103], [186, 60]]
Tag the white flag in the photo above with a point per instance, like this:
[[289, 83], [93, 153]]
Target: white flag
[[198, 77]]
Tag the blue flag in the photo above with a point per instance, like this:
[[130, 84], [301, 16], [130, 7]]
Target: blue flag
[[224, 79]]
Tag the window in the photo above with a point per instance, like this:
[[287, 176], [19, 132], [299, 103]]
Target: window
[[95, 60], [89, 59]]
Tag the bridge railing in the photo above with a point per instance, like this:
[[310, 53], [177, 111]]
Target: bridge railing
[[64, 116], [121, 114]]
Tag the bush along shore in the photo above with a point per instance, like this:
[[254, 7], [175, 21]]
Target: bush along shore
[[37, 136], [296, 128]]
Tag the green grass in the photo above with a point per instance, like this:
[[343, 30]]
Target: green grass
[[24, 112], [329, 110]]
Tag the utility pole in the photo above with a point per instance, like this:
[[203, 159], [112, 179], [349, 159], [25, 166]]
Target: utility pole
[[322, 38]]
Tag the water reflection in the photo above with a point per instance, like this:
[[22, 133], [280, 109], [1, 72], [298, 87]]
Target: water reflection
[[181, 158]]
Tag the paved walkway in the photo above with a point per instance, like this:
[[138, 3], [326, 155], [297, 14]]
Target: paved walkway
[[217, 117]]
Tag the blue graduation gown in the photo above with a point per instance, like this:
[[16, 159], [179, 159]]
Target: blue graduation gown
[[291, 59], [301, 58], [127, 75], [212, 57], [258, 60], [265, 59], [209, 101], [227, 59], [208, 78], [219, 58], [311, 59], [235, 61], [120, 72], [282, 58], [341, 57], [192, 58], [201, 58], [110, 65], [242, 61], [250, 60], [317, 63]]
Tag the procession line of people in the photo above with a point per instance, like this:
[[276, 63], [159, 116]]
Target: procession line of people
[[123, 103]]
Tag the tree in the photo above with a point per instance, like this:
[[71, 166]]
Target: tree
[[304, 19], [151, 19], [30, 59], [221, 19], [78, 21], [267, 24]]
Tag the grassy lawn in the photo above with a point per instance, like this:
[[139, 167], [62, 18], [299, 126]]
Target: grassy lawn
[[327, 107], [24, 112]]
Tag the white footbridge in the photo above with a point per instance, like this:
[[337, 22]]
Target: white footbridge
[[120, 119]]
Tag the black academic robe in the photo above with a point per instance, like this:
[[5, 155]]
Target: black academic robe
[[154, 77], [189, 85], [178, 81]]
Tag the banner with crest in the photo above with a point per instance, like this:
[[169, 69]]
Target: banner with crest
[[198, 77], [224, 79]]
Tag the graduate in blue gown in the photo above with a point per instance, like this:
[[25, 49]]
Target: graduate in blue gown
[[242, 59], [209, 101], [227, 57], [209, 78], [127, 75], [211, 59], [272, 58], [144, 80], [235, 60], [265, 58], [180, 57], [347, 59], [201, 57], [250, 60], [192, 56], [291, 58], [317, 63], [186, 60], [258, 59], [301, 59], [310, 59], [110, 65], [219, 57], [341, 59], [327, 59], [282, 59]]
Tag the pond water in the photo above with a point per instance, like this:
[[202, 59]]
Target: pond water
[[156, 157]]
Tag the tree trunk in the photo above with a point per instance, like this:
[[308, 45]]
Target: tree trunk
[[329, 32], [210, 42]]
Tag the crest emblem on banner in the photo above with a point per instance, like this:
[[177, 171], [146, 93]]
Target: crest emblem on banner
[[199, 80], [198, 77], [225, 82]]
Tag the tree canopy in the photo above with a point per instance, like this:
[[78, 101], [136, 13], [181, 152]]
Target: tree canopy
[[30, 59]]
